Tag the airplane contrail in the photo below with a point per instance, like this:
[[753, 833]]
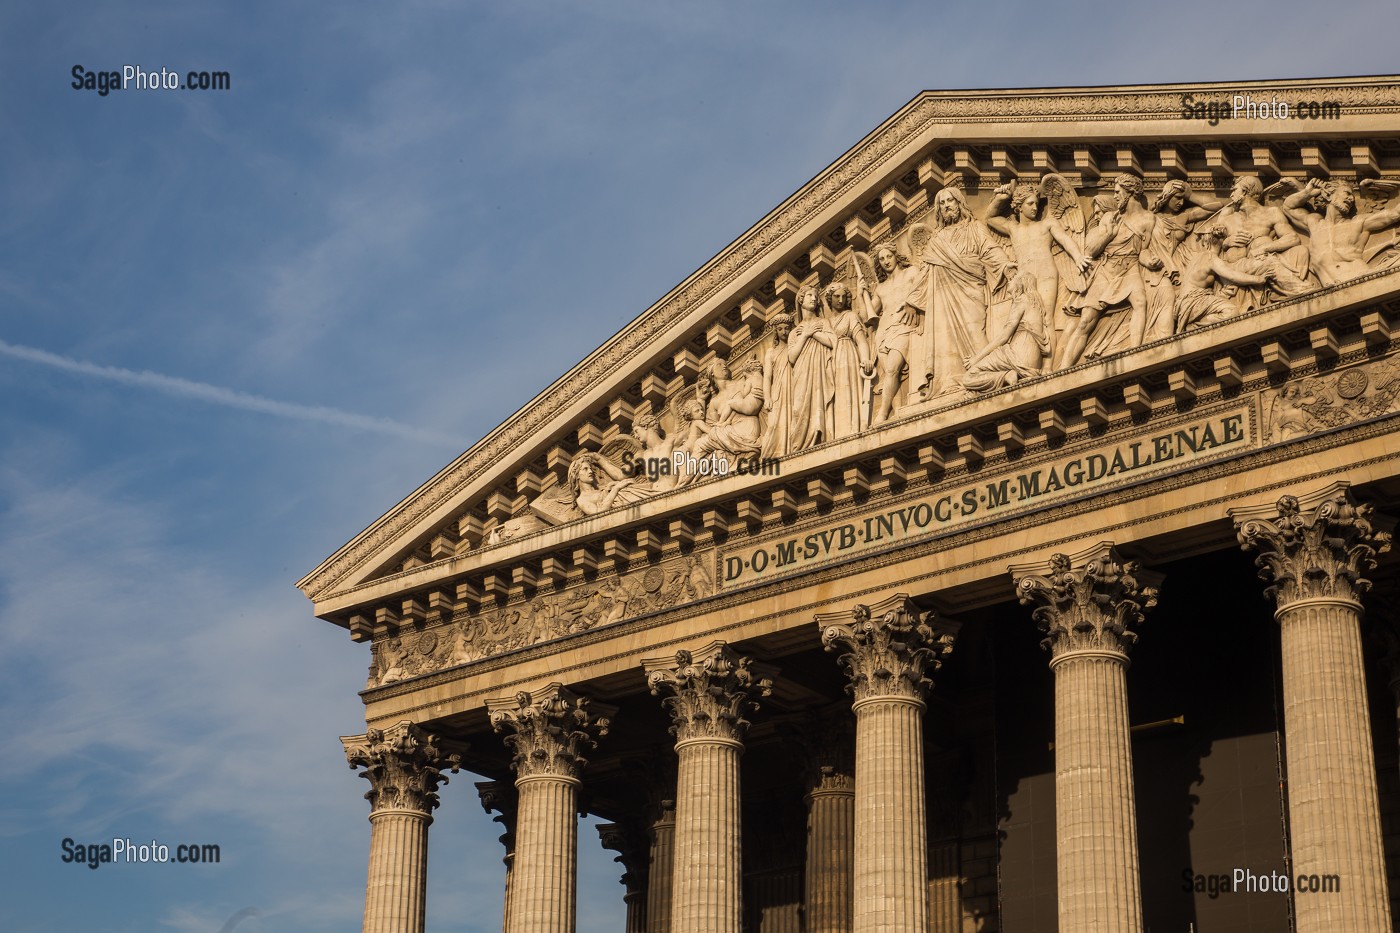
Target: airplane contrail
[[229, 398]]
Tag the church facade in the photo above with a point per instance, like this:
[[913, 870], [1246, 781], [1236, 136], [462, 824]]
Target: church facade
[[994, 537]]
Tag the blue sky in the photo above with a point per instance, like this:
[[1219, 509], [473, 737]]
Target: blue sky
[[236, 327]]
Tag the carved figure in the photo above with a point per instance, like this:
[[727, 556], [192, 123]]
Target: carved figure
[[598, 484], [1199, 304], [777, 390], [732, 426], [1178, 209], [809, 348], [965, 265], [1037, 237], [1017, 344], [1261, 240], [650, 446], [895, 302], [1121, 242], [852, 367], [1338, 237]]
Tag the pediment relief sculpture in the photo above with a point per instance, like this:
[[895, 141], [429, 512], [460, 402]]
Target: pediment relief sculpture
[[1048, 273]]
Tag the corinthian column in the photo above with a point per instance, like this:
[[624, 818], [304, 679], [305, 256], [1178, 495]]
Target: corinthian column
[[660, 876], [886, 650], [630, 843], [827, 745], [548, 732], [404, 767], [1086, 605], [499, 797], [1313, 552], [709, 692]]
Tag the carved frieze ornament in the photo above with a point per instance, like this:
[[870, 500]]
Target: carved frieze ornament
[[1089, 601], [549, 731], [887, 650], [403, 765], [707, 692], [1311, 547]]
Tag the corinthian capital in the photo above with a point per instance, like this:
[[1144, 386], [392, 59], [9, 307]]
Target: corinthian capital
[[403, 765], [1315, 546], [1089, 601], [887, 649], [709, 691], [549, 731]]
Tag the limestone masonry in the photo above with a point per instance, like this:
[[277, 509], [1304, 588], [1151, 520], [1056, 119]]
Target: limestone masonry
[[1022, 378]]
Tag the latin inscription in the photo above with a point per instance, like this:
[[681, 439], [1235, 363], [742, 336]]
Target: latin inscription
[[995, 496]]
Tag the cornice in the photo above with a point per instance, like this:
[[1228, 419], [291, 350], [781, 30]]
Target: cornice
[[884, 153]]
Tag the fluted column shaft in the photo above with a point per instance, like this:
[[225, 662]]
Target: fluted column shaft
[[404, 766], [944, 898], [636, 902], [1314, 550], [1087, 605], [548, 732], [831, 821], [707, 885], [396, 892], [886, 651], [1095, 818], [1334, 815], [544, 881], [707, 693], [660, 875], [891, 849]]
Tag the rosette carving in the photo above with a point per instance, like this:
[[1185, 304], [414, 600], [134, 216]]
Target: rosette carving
[[549, 731], [1316, 546], [886, 650], [403, 765], [707, 693], [1090, 601]]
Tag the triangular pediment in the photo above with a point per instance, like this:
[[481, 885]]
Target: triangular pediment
[[705, 371]]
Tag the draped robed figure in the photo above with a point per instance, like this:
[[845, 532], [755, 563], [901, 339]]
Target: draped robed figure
[[965, 266]]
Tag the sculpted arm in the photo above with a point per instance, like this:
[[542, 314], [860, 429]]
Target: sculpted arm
[[1287, 237], [1294, 206], [1379, 220], [1103, 233], [993, 214], [1062, 237], [1003, 336], [1236, 277], [750, 403]]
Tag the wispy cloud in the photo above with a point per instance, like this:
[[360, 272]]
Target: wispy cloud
[[229, 398]]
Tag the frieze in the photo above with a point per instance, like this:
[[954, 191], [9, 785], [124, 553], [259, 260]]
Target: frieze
[[872, 157], [546, 617]]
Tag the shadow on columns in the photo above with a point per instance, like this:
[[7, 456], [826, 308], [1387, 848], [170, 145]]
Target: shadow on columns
[[1207, 788]]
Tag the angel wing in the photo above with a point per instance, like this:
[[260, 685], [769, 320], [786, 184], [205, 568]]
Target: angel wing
[[919, 235], [1281, 189], [1379, 189], [618, 448], [1062, 202], [863, 269]]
